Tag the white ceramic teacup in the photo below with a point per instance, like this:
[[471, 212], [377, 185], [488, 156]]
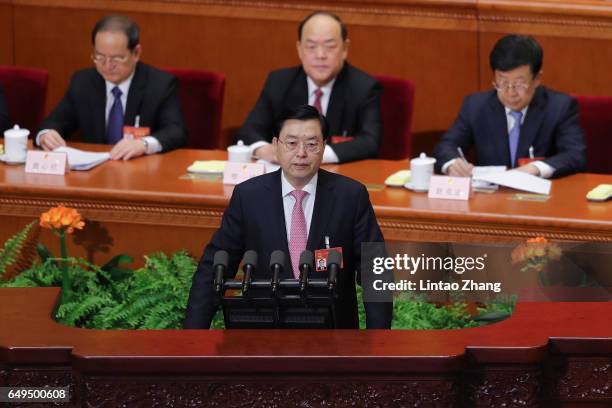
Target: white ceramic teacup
[[239, 153], [15, 143], [421, 169]]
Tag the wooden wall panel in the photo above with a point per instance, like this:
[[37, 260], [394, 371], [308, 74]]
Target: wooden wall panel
[[6, 33]]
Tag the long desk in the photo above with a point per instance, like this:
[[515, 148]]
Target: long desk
[[146, 205]]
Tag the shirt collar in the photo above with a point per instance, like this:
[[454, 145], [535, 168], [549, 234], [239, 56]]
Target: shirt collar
[[310, 187], [312, 87], [523, 111], [123, 86]]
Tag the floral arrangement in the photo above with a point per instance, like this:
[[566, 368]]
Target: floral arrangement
[[62, 220], [535, 254]]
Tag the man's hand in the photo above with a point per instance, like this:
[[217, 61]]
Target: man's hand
[[127, 149], [51, 140], [460, 168], [266, 152], [529, 169]]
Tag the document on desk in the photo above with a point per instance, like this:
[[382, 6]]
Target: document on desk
[[478, 171], [520, 181], [82, 160]]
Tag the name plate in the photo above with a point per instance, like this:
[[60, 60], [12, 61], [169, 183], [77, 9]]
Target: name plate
[[42, 162], [132, 132], [450, 188], [236, 173]]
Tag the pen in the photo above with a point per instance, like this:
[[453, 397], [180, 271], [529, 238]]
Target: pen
[[460, 151], [137, 121], [327, 241], [531, 156]]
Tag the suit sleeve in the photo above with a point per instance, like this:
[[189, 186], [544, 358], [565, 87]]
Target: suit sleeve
[[259, 124], [63, 118], [171, 132], [5, 121], [367, 135], [570, 156], [201, 305], [460, 134], [378, 313]]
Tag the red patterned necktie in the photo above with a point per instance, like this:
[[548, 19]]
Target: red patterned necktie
[[298, 233], [317, 102]]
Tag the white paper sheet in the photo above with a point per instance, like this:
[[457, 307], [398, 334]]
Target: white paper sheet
[[520, 181], [82, 160]]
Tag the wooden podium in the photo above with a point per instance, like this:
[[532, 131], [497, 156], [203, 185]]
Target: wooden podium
[[547, 354]]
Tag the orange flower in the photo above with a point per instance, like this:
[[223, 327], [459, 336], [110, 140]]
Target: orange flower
[[537, 240], [62, 218]]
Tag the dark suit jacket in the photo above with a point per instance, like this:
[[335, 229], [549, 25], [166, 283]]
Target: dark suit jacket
[[550, 126], [153, 95], [254, 220], [354, 109], [5, 121]]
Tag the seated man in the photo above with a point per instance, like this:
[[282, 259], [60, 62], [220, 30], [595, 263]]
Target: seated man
[[119, 91], [518, 119], [300, 207], [348, 97]]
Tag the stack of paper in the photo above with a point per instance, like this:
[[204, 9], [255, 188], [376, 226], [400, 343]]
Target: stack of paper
[[520, 181], [479, 171], [82, 160]]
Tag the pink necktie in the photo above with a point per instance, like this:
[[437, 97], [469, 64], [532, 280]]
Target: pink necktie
[[297, 235], [317, 102]]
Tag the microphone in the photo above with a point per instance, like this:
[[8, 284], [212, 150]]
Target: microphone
[[306, 265], [220, 262], [249, 261], [334, 260], [277, 263]]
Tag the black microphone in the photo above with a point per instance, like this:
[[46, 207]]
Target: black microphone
[[334, 260], [277, 263], [249, 262], [220, 262], [306, 265]]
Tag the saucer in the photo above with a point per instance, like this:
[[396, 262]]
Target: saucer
[[410, 187], [6, 160]]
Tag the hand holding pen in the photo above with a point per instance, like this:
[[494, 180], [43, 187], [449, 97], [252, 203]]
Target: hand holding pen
[[460, 166]]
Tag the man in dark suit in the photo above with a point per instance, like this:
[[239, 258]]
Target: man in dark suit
[[119, 91], [519, 119], [348, 97], [297, 203]]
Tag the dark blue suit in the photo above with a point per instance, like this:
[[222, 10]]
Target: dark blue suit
[[255, 220], [550, 126]]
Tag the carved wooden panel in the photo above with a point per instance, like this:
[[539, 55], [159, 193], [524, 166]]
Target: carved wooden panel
[[271, 392], [513, 386]]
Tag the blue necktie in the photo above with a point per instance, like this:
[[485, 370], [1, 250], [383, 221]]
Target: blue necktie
[[513, 137], [114, 128]]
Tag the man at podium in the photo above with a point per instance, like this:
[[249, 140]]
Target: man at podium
[[297, 207], [120, 91]]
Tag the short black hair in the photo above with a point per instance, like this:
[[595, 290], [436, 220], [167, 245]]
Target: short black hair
[[343, 30], [118, 23], [513, 51], [303, 113]]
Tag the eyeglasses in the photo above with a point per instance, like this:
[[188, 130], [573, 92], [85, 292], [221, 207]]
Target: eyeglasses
[[311, 146], [507, 86], [311, 48], [100, 59]]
